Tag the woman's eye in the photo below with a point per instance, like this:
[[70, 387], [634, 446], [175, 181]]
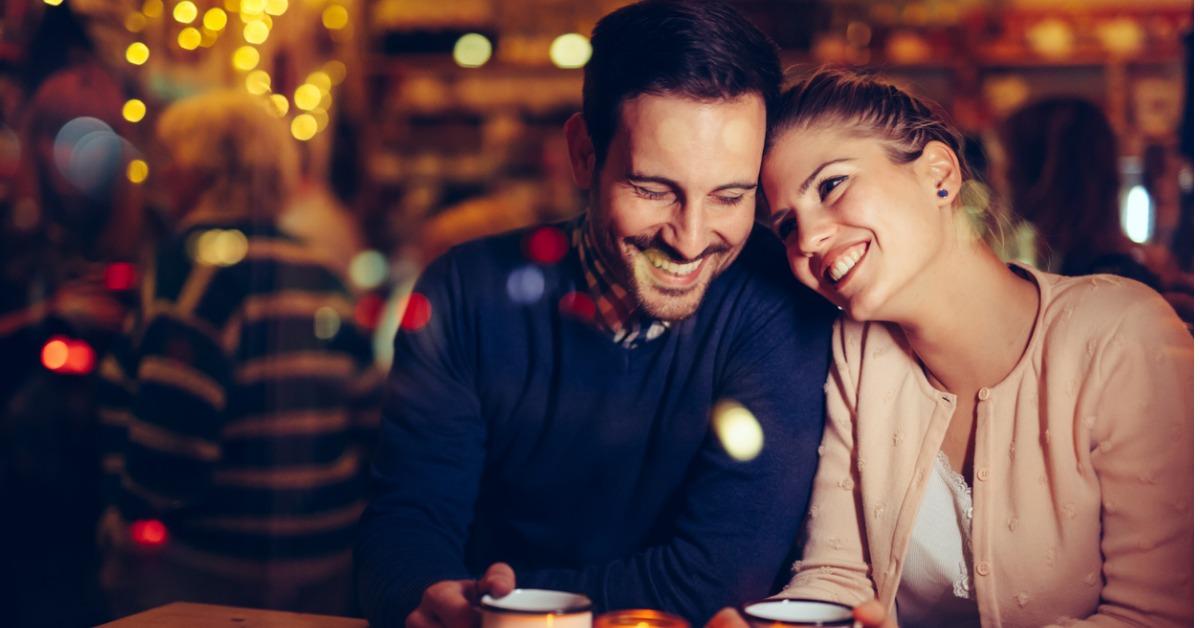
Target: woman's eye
[[785, 228], [826, 186]]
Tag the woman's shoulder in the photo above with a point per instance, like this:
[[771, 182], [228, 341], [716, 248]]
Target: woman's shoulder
[[856, 342]]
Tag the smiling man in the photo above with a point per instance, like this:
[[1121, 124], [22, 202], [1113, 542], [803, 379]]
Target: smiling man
[[548, 417]]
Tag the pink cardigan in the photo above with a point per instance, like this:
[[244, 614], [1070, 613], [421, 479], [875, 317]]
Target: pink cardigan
[[1083, 465]]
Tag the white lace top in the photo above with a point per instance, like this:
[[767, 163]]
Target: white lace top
[[935, 583]]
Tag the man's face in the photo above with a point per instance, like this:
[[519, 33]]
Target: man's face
[[674, 201]]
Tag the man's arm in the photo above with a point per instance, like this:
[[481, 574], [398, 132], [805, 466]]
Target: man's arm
[[737, 520], [426, 472]]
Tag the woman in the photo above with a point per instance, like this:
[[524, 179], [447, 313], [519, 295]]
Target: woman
[[1004, 446]]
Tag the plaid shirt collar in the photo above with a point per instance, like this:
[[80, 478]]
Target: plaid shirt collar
[[617, 311]]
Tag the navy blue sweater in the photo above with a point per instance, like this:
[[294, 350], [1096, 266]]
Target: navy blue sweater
[[515, 432]]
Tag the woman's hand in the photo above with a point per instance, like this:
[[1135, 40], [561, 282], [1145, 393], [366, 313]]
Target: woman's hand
[[872, 614]]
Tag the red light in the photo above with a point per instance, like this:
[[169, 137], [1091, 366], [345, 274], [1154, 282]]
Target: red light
[[368, 310], [546, 245], [55, 353], [68, 356], [120, 276], [148, 532], [577, 304], [417, 312]]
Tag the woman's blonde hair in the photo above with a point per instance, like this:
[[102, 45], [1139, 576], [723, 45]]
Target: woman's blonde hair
[[868, 105], [245, 154]]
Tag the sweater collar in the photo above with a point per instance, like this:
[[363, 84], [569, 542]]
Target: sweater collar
[[617, 310]]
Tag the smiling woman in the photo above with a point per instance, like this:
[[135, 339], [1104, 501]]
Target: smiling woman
[[969, 396]]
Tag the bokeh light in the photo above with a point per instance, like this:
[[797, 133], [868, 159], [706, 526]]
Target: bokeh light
[[135, 22], [368, 311], [185, 12], [190, 38], [335, 17], [137, 53], [322, 118], [304, 127], [1137, 215], [215, 19], [472, 50], [320, 80], [137, 171], [245, 58], [133, 110], [53, 3], [89, 155], [276, 7], [54, 354], [570, 50], [737, 429], [220, 247], [417, 312], [326, 323], [253, 7], [148, 532], [120, 276], [279, 104], [152, 8], [256, 32], [578, 305], [258, 82], [307, 97], [68, 356], [336, 71], [368, 270], [526, 285], [546, 245]]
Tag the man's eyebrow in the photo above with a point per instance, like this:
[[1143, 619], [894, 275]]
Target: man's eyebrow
[[639, 177], [737, 185], [807, 182]]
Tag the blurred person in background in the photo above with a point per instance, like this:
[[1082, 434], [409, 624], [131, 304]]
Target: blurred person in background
[[240, 410], [66, 220], [1060, 168]]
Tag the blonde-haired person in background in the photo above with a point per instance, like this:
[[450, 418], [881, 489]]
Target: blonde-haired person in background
[[1004, 446], [239, 414]]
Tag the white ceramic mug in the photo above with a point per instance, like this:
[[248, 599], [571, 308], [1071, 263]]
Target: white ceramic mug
[[537, 608], [797, 612]]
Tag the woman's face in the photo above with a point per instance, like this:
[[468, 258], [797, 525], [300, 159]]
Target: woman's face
[[859, 228]]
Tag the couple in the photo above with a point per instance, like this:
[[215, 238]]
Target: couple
[[1002, 446]]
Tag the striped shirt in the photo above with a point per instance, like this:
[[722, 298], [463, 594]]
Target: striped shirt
[[240, 407], [617, 309]]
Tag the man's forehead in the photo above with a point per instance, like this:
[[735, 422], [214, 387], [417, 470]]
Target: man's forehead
[[671, 124]]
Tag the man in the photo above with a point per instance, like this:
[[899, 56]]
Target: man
[[549, 404]]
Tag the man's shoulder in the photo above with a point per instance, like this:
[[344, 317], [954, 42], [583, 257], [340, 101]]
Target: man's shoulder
[[541, 245]]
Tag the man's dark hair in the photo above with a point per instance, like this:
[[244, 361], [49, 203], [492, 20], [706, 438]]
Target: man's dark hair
[[697, 49]]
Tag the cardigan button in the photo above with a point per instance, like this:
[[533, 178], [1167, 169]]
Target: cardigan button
[[982, 475], [983, 568], [984, 394]]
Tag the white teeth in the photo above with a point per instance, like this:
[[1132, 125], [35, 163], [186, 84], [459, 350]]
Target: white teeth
[[846, 262], [660, 260]]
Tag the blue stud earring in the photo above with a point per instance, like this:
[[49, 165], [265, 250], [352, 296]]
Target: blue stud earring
[[943, 193]]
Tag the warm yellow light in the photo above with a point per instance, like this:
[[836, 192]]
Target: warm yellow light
[[134, 110], [472, 50], [279, 104], [304, 127], [221, 247], [215, 19], [209, 38], [276, 7], [152, 8], [54, 3], [258, 82], [135, 22], [245, 58], [233, 6], [189, 38], [336, 71], [335, 17], [184, 12], [137, 53], [307, 97], [137, 171], [571, 50], [320, 80], [321, 117], [737, 430], [256, 32], [253, 7]]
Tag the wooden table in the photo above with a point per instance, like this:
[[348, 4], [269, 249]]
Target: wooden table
[[189, 615]]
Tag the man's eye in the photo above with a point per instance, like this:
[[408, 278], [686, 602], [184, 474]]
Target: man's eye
[[826, 186], [652, 195], [730, 200], [785, 227]]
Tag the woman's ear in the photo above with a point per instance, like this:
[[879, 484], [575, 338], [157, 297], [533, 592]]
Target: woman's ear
[[583, 154], [940, 169]]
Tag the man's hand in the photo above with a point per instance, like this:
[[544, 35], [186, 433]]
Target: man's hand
[[450, 603], [872, 614], [727, 618]]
